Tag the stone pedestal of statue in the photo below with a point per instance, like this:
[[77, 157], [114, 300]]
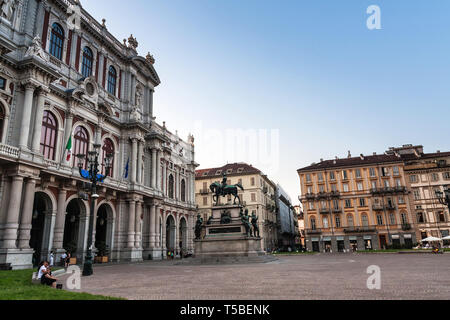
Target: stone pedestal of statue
[[226, 239]]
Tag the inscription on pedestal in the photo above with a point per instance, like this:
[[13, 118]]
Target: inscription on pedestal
[[224, 230]]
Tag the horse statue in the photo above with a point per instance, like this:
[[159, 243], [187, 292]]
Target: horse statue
[[220, 190]]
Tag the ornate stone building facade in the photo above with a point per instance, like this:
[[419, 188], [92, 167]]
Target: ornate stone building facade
[[65, 80]]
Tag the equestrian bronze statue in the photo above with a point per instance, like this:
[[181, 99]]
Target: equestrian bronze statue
[[223, 190]]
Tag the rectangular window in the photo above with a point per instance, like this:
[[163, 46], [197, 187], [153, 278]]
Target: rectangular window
[[310, 190], [434, 177], [253, 197], [308, 178], [321, 189], [338, 222], [345, 185], [386, 184], [360, 186], [446, 175], [344, 175], [2, 83], [311, 205], [374, 184], [358, 173], [362, 202], [336, 204], [396, 171], [320, 177], [413, 178], [372, 172], [417, 194], [332, 176], [380, 219], [333, 188], [385, 172], [325, 223], [398, 183], [348, 203], [401, 200], [253, 182]]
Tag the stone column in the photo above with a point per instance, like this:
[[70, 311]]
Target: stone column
[[152, 240], [177, 234], [12, 218], [36, 144], [164, 235], [27, 215], [157, 228], [137, 223], [153, 168], [158, 170], [133, 160], [164, 182], [60, 220], [131, 222], [139, 161], [26, 116]]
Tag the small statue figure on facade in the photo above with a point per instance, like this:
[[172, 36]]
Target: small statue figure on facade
[[209, 220], [255, 225], [246, 221], [198, 227]]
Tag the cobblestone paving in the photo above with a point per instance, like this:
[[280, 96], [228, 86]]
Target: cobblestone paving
[[416, 276]]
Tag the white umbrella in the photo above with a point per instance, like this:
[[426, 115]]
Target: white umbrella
[[446, 238], [431, 239]]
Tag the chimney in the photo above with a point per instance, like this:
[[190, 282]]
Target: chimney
[[374, 153], [362, 156], [349, 154], [321, 159], [439, 151]]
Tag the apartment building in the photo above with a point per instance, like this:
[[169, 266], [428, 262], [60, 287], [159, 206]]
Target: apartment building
[[427, 173], [356, 203]]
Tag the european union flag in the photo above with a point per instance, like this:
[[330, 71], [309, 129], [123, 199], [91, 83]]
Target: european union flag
[[126, 168]]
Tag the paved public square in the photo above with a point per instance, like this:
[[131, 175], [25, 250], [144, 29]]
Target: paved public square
[[304, 277]]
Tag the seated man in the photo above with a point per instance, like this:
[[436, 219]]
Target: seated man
[[45, 275]]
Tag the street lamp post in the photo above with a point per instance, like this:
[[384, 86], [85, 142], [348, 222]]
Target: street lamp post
[[92, 174], [444, 197]]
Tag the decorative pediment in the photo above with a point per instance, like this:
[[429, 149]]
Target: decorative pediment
[[146, 68]]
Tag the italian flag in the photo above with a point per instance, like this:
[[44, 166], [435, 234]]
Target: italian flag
[[69, 149]]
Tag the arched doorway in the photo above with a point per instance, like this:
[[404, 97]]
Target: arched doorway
[[183, 235], [104, 230], [72, 228], [40, 208], [170, 233]]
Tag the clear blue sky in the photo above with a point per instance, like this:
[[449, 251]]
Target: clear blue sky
[[310, 69]]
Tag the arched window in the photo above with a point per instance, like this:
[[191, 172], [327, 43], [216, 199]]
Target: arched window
[[365, 220], [2, 121], [108, 148], [183, 190], [81, 144], [171, 187], [404, 218], [392, 219], [313, 223], [57, 41], [350, 222], [49, 133], [112, 80], [88, 60]]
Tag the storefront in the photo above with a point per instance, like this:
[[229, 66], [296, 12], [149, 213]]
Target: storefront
[[340, 244], [353, 243], [368, 243]]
